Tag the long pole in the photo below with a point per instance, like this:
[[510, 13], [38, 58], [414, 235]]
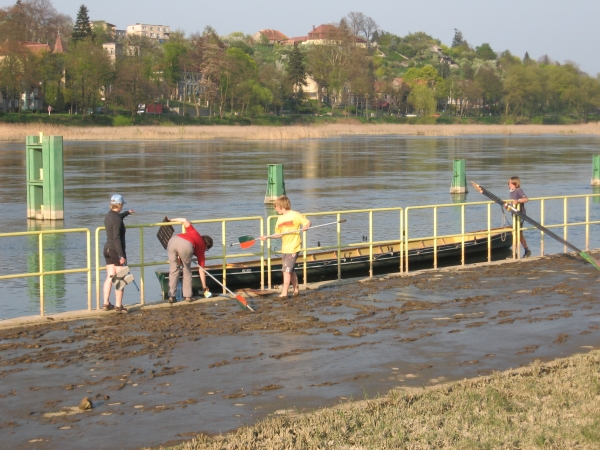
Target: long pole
[[239, 298], [537, 225]]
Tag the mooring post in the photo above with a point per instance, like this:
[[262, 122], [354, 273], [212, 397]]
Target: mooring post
[[596, 171], [45, 177], [275, 183], [459, 177]]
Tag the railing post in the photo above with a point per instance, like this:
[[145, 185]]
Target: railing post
[[370, 244], [435, 223], [339, 244], [89, 267], [142, 290], [595, 171], [41, 269]]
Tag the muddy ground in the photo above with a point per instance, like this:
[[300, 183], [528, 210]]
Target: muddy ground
[[162, 375]]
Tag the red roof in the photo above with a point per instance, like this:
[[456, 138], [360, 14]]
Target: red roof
[[295, 40], [328, 31], [58, 48], [273, 35], [36, 47], [322, 32]]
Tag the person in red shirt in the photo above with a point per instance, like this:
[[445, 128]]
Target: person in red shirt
[[183, 247]]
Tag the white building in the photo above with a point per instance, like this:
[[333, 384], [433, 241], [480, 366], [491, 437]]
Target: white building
[[158, 32]]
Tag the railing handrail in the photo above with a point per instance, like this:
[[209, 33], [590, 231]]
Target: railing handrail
[[42, 273], [404, 239], [142, 264]]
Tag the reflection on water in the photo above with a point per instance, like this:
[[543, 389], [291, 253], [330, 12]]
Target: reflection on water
[[207, 180], [54, 250]]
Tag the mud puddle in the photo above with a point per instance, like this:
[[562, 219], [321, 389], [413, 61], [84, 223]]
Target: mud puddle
[[165, 374]]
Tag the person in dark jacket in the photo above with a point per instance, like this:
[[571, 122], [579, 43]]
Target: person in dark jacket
[[114, 250]]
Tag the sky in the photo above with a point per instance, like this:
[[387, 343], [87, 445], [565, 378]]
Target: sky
[[564, 30]]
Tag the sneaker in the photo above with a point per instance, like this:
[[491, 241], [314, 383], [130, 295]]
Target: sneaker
[[527, 253]]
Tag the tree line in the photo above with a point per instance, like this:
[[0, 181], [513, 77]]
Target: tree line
[[356, 68]]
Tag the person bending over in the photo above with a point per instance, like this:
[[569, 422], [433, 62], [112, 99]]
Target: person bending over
[[184, 246]]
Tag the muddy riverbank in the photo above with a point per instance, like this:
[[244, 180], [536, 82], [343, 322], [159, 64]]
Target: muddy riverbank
[[165, 374], [344, 127]]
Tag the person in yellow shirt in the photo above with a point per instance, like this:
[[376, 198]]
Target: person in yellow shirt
[[290, 243]]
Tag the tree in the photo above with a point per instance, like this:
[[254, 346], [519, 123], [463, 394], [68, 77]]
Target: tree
[[275, 79], [491, 85], [355, 22], [296, 73], [422, 99], [457, 40], [42, 21], [526, 58], [16, 68], [133, 82], [485, 52], [82, 28], [89, 70], [369, 27]]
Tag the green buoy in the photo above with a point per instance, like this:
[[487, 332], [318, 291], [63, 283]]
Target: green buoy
[[275, 183], [459, 177]]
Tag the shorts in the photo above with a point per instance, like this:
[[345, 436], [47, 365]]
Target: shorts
[[112, 257], [288, 261]]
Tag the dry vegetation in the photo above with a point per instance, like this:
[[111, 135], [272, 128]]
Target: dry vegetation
[[554, 405], [11, 132]]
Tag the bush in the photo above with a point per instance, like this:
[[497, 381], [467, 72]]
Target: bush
[[509, 121], [122, 121], [445, 120], [537, 120]]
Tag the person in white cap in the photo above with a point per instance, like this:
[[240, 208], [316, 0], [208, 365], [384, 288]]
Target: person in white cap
[[114, 250]]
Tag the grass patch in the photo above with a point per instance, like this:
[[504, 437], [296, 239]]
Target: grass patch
[[541, 406]]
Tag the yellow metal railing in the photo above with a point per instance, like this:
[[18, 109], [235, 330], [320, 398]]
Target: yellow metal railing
[[408, 239], [42, 273], [142, 264], [437, 237], [340, 215], [565, 225], [405, 237]]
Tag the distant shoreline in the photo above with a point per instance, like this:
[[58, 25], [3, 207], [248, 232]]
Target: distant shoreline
[[17, 132]]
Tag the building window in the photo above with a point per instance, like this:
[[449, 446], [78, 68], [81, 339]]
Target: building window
[[158, 28], [151, 34], [143, 28], [151, 28]]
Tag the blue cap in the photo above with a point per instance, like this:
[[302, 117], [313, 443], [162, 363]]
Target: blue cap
[[117, 199]]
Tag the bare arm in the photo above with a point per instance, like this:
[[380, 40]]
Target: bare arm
[[185, 222], [520, 200], [202, 278]]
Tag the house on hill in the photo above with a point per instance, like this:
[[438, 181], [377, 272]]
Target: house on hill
[[325, 34], [322, 35], [295, 40], [272, 36]]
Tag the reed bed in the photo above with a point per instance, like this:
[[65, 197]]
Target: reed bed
[[546, 405], [17, 132]]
